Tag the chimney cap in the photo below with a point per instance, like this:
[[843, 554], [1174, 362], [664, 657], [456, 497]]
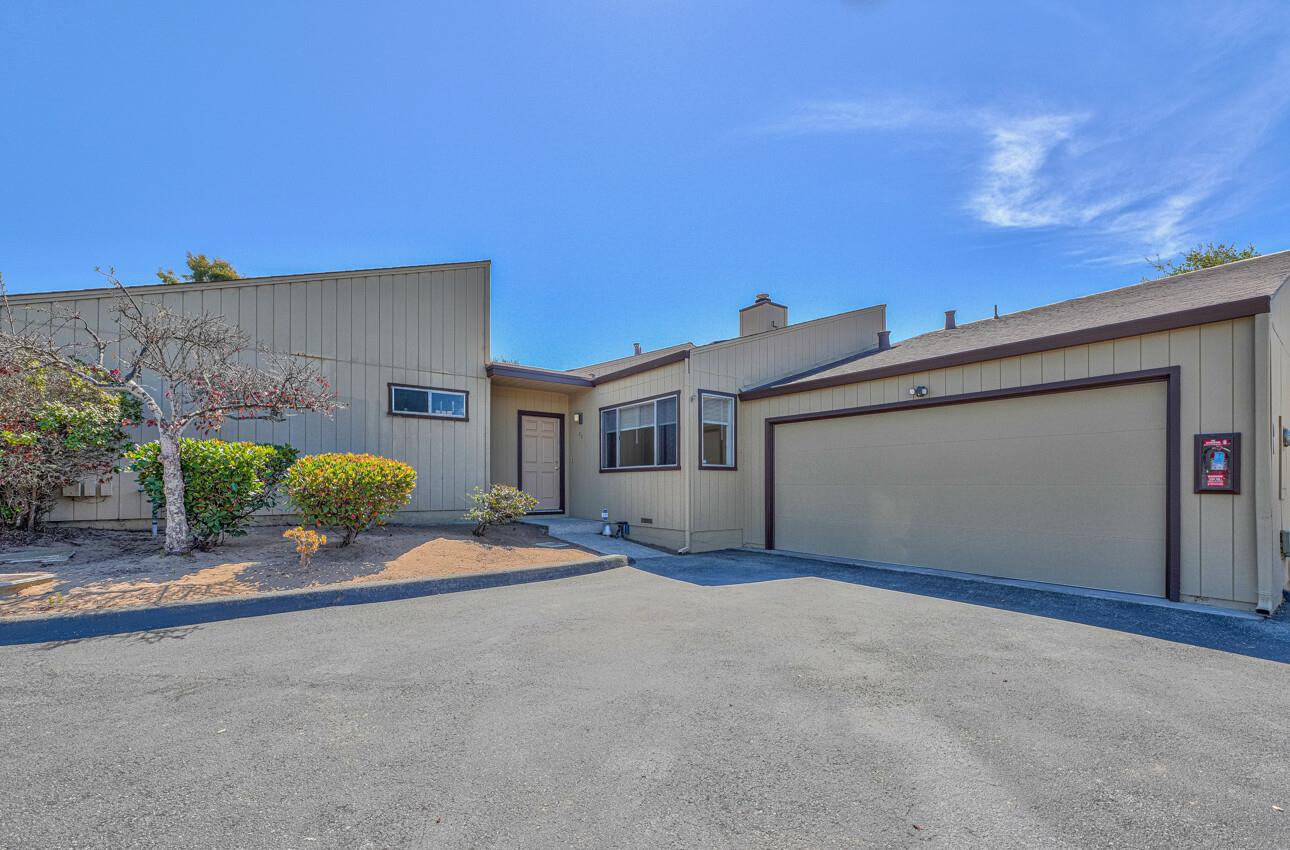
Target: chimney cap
[[636, 347], [950, 323], [884, 340]]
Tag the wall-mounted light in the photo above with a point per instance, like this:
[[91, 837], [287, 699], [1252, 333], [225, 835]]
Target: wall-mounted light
[[919, 391], [577, 417]]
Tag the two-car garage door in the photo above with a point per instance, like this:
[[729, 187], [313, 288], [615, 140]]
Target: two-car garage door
[[1063, 487]]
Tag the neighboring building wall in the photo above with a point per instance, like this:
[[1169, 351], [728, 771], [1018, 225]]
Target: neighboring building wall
[[506, 405], [657, 495], [1218, 393], [427, 326]]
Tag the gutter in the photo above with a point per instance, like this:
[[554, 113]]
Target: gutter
[[1152, 324]]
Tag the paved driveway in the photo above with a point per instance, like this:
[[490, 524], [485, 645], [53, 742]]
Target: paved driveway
[[645, 709]]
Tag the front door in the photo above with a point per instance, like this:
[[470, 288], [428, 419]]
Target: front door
[[541, 453]]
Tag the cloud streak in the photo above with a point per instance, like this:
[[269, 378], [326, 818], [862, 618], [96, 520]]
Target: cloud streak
[[1130, 185]]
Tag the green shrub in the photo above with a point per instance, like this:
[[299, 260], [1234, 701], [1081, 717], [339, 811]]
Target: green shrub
[[349, 491], [224, 483], [498, 505], [55, 430]]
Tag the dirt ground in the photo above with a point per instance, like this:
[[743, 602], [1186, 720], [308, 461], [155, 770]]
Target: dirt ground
[[114, 569]]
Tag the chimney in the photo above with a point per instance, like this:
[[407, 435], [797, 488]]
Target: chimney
[[764, 315], [950, 324], [636, 346], [884, 340]]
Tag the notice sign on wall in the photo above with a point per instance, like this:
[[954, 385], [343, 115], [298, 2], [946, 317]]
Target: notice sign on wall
[[1218, 463]]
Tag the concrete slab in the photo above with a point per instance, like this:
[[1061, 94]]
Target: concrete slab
[[586, 533]]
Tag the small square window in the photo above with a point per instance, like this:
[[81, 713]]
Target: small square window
[[428, 402]]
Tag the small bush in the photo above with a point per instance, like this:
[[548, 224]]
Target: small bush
[[224, 483], [349, 491], [498, 505], [307, 540]]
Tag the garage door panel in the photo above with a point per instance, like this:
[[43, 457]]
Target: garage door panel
[[1009, 488], [991, 461]]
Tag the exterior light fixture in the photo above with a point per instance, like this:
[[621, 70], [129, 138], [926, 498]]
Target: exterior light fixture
[[577, 417]]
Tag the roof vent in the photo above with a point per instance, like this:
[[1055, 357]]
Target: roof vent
[[884, 340], [950, 324], [762, 298], [636, 348]]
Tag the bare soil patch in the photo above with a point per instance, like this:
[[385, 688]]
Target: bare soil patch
[[116, 569]]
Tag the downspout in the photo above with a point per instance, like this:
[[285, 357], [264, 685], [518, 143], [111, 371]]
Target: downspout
[[687, 463], [1268, 555]]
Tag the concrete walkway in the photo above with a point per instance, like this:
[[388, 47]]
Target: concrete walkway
[[586, 533]]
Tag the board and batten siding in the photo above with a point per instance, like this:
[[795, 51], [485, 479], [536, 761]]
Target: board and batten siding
[[716, 495], [1218, 393], [507, 402], [658, 495], [425, 325]]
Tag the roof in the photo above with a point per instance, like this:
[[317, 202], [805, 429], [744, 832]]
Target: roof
[[589, 376], [189, 286], [597, 370], [1243, 288]]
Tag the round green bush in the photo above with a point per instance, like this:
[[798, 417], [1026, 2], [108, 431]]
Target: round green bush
[[224, 482], [349, 491]]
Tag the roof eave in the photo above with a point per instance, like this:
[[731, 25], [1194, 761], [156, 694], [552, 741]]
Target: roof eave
[[1152, 324]]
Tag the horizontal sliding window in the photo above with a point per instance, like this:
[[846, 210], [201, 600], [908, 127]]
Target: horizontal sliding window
[[717, 423], [640, 435], [427, 401]]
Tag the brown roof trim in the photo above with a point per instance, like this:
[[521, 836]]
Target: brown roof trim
[[666, 359], [1152, 324], [763, 304], [261, 280], [507, 370]]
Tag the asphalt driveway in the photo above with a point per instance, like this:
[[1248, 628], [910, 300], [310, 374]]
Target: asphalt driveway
[[734, 701]]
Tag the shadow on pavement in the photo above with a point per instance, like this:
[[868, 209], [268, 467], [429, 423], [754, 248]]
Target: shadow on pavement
[[1259, 638]]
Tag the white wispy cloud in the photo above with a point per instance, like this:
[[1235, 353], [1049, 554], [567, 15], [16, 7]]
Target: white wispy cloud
[[1138, 182]]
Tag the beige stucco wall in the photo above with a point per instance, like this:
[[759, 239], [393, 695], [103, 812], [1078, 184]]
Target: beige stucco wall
[[426, 325], [1218, 393]]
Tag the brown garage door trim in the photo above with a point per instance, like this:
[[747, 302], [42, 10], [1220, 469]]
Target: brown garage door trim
[[1173, 408]]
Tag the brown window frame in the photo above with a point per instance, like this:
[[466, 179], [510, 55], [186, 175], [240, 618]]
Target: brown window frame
[[734, 432], [600, 446], [389, 401]]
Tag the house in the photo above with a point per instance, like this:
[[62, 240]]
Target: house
[[1133, 440]]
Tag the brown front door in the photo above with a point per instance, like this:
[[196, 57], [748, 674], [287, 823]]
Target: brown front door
[[541, 456]]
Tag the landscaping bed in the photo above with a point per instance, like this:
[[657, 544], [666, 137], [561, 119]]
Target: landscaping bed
[[118, 569]]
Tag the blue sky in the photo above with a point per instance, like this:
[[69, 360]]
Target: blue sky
[[638, 169]]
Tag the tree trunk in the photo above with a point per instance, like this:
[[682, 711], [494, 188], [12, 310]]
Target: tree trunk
[[172, 476]]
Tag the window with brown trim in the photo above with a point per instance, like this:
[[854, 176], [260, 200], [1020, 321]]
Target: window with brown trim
[[716, 430], [639, 435], [430, 402]]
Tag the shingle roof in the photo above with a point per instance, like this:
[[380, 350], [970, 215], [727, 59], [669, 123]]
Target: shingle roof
[[596, 370], [1238, 289]]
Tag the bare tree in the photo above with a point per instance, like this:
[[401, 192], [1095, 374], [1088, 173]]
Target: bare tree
[[185, 370]]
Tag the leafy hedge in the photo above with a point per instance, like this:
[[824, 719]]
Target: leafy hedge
[[224, 482], [349, 491], [498, 505]]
